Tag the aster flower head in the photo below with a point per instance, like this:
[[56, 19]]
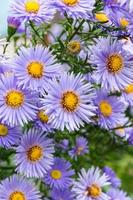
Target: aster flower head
[[121, 18], [34, 67], [119, 4], [74, 46], [130, 26], [34, 155], [32, 10], [60, 175], [113, 64], [90, 78], [9, 136], [122, 131], [89, 185], [42, 120], [118, 194], [69, 102], [64, 144], [65, 194], [114, 180], [127, 94], [80, 148], [110, 13], [16, 187], [130, 138], [13, 22], [5, 69], [77, 47], [74, 8], [101, 17], [17, 105], [110, 110]]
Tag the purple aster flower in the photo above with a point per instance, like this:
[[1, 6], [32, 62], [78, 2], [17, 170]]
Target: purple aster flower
[[118, 194], [89, 185], [34, 10], [102, 17], [13, 22], [9, 136], [64, 144], [42, 120], [77, 47], [114, 66], [119, 4], [61, 194], [80, 148], [130, 27], [74, 8], [114, 180], [34, 155], [74, 46], [110, 110], [60, 175], [123, 132], [21, 30], [130, 5], [130, 139], [127, 94], [121, 18], [69, 102], [34, 67], [5, 69], [17, 105], [18, 188], [90, 78]]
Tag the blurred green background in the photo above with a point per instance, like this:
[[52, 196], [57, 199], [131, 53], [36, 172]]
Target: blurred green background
[[124, 170]]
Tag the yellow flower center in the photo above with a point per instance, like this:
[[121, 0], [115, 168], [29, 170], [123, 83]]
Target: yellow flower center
[[121, 130], [105, 108], [42, 116], [129, 89], [79, 150], [101, 17], [115, 63], [74, 46], [32, 6], [70, 2], [17, 196], [94, 191], [14, 99], [34, 153], [3, 130], [124, 22], [70, 101], [56, 174], [35, 69]]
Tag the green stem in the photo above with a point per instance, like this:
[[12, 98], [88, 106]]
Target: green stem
[[5, 47], [37, 33], [125, 126], [76, 30]]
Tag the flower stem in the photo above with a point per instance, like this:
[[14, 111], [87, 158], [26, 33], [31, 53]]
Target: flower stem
[[37, 33]]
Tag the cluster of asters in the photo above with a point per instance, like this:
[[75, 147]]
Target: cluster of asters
[[36, 90]]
